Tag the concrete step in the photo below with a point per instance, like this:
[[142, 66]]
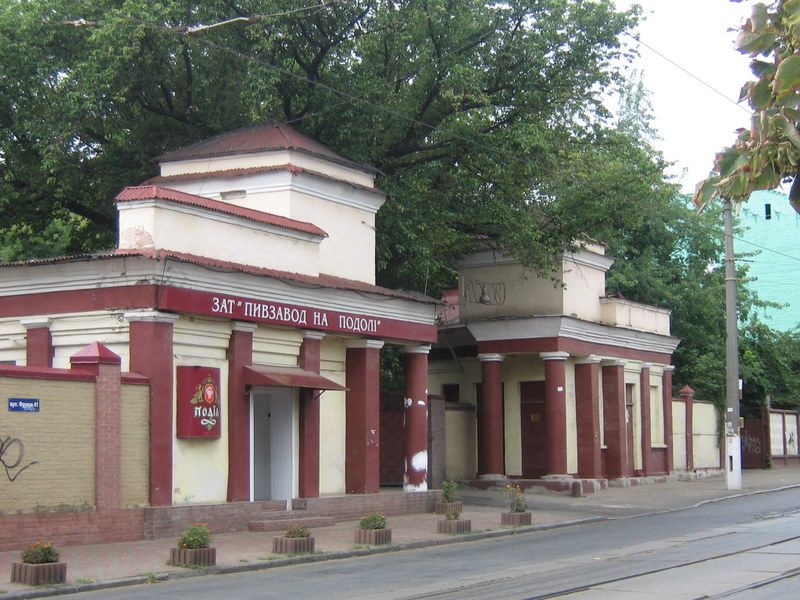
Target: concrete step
[[282, 524], [271, 505]]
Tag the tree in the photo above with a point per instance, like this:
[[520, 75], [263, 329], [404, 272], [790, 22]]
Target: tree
[[464, 106], [767, 152]]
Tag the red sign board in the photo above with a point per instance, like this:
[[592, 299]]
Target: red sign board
[[198, 402]]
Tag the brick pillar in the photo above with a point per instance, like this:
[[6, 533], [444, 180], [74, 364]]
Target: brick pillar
[[616, 428], [151, 355], [437, 441], [309, 417], [644, 411], [491, 439], [555, 410], [240, 354], [415, 477], [362, 406], [105, 365], [587, 407], [687, 395], [38, 342], [666, 399]]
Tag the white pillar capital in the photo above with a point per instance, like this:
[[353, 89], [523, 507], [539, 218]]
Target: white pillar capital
[[35, 322], [312, 334], [490, 357], [592, 359], [554, 355], [245, 326], [151, 316], [668, 368], [423, 349], [615, 362], [364, 343], [647, 365]]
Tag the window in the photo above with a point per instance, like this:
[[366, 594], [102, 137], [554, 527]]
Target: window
[[451, 392], [768, 211]]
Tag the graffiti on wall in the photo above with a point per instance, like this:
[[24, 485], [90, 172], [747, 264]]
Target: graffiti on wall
[[12, 454], [751, 443]]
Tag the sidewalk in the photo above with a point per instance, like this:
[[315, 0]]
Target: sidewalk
[[105, 565]]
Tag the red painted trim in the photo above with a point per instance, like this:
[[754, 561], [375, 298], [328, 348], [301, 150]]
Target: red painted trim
[[491, 440], [241, 309], [309, 360], [616, 430], [39, 347], [571, 345], [134, 379], [687, 395], [151, 355], [240, 353], [416, 418], [644, 411], [556, 415], [587, 398], [93, 354], [45, 373], [132, 296], [154, 192], [362, 405]]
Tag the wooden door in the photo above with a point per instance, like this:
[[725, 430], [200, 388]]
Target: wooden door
[[533, 429]]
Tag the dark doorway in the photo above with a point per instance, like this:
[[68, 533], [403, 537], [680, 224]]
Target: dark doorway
[[533, 429]]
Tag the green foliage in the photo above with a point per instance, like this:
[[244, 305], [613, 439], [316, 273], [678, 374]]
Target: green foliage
[[373, 520], [452, 515], [196, 536], [39, 553], [465, 107], [516, 498], [768, 151], [769, 364], [297, 531], [449, 490]]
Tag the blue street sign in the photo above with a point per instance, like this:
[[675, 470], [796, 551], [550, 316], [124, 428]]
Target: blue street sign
[[23, 405]]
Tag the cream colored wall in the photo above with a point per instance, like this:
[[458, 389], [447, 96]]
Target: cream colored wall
[[515, 370], [705, 437], [461, 455], [200, 466], [135, 442], [332, 418], [632, 376], [525, 294], [276, 347], [73, 332], [267, 192], [584, 287], [265, 159], [12, 341], [679, 435], [349, 249], [148, 226], [59, 438], [633, 315]]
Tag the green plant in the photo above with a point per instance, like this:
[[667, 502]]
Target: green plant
[[197, 536], [297, 531], [373, 520], [449, 490], [452, 515], [40, 553], [516, 499]]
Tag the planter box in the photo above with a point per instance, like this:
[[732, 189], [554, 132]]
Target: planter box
[[193, 557], [515, 519], [453, 526], [284, 545], [373, 537], [442, 508], [38, 574]]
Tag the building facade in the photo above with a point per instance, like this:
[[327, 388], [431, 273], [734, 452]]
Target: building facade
[[552, 381], [242, 294]]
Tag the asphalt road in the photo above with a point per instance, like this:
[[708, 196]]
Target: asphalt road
[[719, 549]]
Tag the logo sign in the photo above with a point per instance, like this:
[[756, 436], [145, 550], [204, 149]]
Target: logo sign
[[23, 405], [199, 413]]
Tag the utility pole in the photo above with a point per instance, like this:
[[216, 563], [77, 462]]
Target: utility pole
[[733, 466]]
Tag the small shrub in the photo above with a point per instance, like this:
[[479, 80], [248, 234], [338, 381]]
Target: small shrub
[[297, 531], [452, 515], [40, 553], [449, 490], [197, 536], [372, 520], [516, 499]]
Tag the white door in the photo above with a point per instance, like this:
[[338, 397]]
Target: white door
[[273, 443]]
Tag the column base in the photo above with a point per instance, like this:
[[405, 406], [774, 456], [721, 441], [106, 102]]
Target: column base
[[492, 477], [555, 476]]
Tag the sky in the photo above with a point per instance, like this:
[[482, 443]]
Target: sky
[[693, 121]]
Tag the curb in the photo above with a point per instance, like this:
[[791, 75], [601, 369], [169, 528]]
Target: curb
[[289, 561], [344, 554]]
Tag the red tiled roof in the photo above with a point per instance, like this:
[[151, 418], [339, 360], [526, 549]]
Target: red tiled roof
[[148, 192], [228, 173], [269, 135]]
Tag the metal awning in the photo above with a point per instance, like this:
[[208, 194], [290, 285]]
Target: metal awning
[[288, 377]]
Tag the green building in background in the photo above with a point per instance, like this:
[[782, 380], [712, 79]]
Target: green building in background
[[770, 231]]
